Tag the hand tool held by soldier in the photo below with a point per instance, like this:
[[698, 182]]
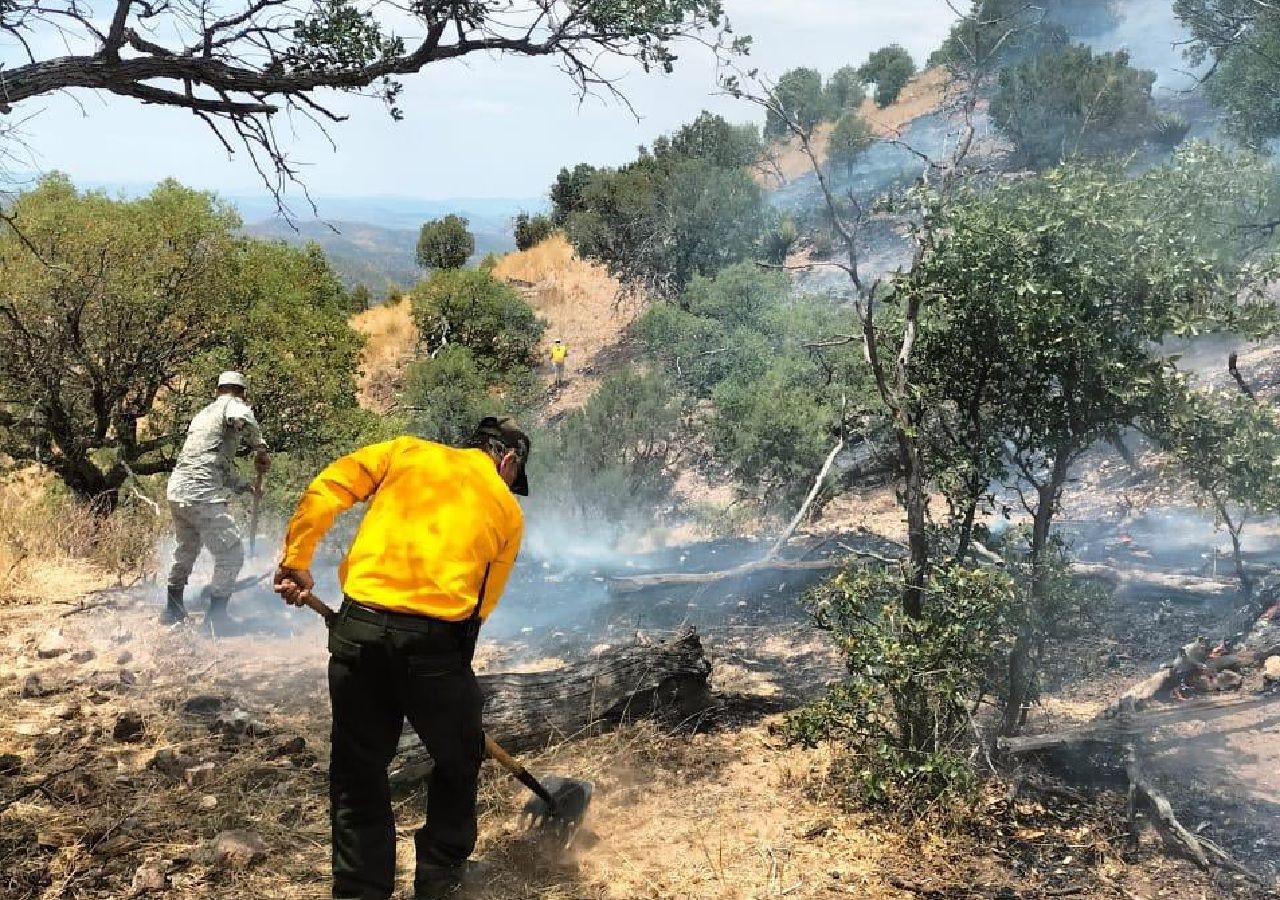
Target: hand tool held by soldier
[[199, 495], [428, 564]]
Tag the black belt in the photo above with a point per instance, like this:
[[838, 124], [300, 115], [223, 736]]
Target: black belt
[[352, 609]]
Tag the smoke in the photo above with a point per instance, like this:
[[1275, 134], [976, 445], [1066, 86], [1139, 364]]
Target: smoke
[[1154, 37]]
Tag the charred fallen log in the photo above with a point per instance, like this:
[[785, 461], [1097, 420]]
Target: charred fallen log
[[528, 711]]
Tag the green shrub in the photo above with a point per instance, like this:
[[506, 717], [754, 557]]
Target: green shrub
[[474, 310]]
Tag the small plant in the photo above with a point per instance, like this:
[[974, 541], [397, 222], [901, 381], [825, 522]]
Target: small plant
[[905, 706]]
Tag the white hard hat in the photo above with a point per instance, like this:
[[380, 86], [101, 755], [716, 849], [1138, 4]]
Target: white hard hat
[[231, 379]]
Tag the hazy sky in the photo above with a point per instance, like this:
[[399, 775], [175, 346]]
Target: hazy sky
[[487, 127]]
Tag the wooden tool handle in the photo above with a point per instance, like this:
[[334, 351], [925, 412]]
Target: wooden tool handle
[[311, 601], [505, 759]]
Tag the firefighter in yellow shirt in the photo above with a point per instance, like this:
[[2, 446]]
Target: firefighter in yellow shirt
[[428, 564], [558, 354]]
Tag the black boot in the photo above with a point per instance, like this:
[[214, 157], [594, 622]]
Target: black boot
[[216, 620], [174, 610], [436, 882]]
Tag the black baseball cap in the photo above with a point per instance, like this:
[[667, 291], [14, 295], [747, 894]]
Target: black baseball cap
[[510, 436]]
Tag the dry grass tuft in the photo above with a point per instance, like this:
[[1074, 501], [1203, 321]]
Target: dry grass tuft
[[55, 548], [391, 338]]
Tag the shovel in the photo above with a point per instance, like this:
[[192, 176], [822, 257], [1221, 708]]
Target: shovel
[[559, 804]]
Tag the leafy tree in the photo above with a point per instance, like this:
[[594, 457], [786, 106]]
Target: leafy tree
[[1071, 102], [471, 309], [714, 139], [117, 315], [800, 96], [613, 459], [1229, 446], [532, 230], [1044, 300], [567, 192], [239, 66], [890, 68], [445, 243], [447, 394], [845, 91], [851, 138], [361, 298], [998, 33], [658, 222]]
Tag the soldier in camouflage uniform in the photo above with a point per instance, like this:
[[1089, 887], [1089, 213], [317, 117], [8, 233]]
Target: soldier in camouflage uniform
[[199, 495]]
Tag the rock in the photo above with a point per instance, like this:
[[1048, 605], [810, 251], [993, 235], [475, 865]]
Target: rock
[[65, 711], [238, 722], [83, 656], [124, 658], [208, 802], [127, 678], [1228, 681], [166, 762], [291, 747], [121, 635], [54, 643], [1271, 670], [129, 727], [237, 849], [148, 879], [10, 765], [201, 774], [202, 706], [33, 686]]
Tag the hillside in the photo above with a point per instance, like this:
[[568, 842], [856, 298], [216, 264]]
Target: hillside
[[582, 305], [924, 94]]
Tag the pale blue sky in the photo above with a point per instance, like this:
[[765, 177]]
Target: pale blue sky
[[486, 127]]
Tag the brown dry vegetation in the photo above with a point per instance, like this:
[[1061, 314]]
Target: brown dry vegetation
[[53, 548], [582, 305], [391, 337], [923, 94]]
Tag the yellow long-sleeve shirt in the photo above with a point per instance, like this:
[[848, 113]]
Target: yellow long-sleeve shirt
[[437, 518]]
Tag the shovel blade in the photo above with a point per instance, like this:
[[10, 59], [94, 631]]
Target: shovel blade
[[572, 796]]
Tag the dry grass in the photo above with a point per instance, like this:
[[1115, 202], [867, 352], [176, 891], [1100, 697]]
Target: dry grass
[[582, 305], [53, 548], [923, 94], [391, 338]]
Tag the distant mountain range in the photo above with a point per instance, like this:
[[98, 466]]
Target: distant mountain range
[[371, 240]]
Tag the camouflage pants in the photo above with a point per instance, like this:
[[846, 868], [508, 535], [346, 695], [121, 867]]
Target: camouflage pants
[[206, 525]]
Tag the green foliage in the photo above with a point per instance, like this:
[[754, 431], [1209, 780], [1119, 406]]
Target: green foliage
[[613, 458], [998, 33], [447, 394], [532, 230], [117, 315], [473, 310], [567, 192], [851, 138], [800, 98], [361, 298], [845, 91], [903, 707], [714, 139], [661, 220], [1242, 40], [1070, 102], [890, 68], [739, 341], [445, 243]]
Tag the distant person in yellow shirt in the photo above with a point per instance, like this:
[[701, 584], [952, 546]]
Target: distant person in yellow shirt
[[428, 564], [558, 354]]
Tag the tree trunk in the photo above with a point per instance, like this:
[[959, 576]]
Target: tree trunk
[[530, 711]]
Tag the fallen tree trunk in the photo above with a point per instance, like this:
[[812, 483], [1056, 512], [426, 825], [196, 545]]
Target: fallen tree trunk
[[1144, 583], [529, 711]]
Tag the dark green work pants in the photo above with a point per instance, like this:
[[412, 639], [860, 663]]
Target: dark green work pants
[[384, 668]]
